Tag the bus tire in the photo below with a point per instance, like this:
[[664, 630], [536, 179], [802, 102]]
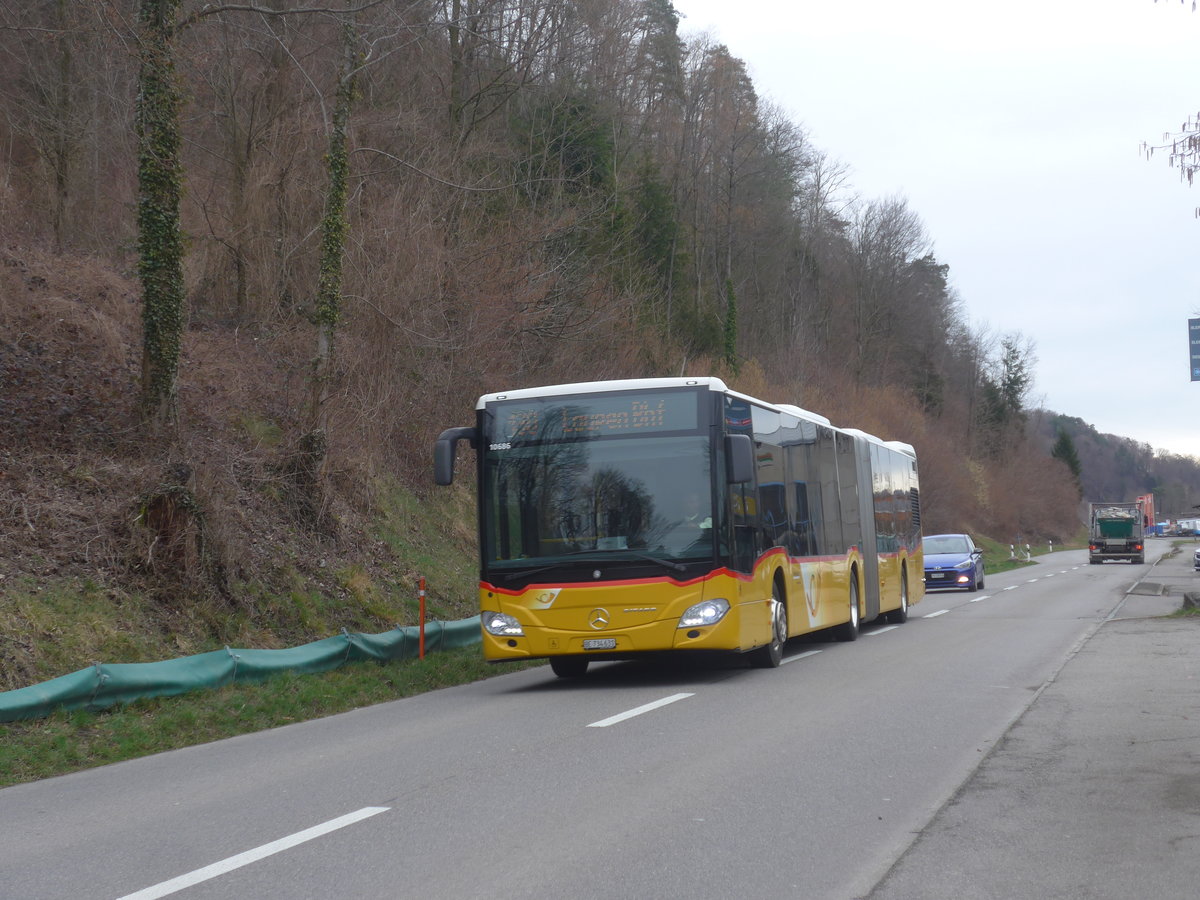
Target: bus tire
[[849, 630], [770, 655], [900, 616], [569, 666]]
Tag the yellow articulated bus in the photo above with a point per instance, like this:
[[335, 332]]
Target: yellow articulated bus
[[623, 518]]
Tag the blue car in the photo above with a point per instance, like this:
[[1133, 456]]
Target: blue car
[[952, 561]]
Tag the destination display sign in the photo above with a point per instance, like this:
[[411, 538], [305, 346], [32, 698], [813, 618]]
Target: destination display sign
[[566, 418]]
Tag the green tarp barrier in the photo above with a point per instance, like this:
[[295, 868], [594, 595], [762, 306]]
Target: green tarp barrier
[[107, 684]]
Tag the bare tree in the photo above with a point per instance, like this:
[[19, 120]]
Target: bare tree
[[886, 237]]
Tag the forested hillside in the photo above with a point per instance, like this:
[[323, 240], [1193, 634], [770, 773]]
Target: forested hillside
[[1112, 467], [388, 208]]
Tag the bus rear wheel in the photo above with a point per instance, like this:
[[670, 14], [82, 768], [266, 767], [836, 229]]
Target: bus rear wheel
[[900, 616], [849, 631], [569, 666]]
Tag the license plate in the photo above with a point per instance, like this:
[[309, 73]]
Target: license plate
[[938, 575], [600, 644]]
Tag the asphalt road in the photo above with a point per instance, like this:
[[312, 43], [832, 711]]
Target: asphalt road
[[838, 775]]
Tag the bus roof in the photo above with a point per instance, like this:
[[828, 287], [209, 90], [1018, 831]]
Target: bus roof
[[804, 414], [640, 384], [901, 447], [898, 446], [596, 387]]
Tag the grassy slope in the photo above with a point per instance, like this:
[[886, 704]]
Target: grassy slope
[[67, 623]]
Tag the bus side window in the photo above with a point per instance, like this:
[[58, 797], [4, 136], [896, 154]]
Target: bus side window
[[802, 526], [883, 478], [804, 467], [832, 541]]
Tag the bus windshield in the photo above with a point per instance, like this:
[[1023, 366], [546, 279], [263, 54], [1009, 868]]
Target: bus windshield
[[625, 497]]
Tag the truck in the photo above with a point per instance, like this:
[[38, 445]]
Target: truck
[[1117, 531]]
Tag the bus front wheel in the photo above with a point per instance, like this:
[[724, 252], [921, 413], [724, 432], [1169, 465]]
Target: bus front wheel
[[770, 655]]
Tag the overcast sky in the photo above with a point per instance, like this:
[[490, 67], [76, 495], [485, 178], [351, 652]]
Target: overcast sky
[[1013, 129]]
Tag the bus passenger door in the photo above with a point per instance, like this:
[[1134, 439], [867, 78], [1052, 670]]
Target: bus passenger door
[[745, 528]]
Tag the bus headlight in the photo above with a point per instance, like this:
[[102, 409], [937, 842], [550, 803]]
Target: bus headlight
[[501, 624], [710, 612]]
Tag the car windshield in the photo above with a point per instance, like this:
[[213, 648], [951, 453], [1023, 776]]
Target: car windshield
[[947, 543]]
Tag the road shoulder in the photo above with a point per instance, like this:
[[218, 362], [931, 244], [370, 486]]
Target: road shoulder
[[1094, 792]]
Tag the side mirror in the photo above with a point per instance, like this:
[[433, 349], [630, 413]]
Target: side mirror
[[739, 458], [444, 449]]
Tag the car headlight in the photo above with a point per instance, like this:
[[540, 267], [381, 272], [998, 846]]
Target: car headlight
[[710, 612], [501, 624], [965, 564]]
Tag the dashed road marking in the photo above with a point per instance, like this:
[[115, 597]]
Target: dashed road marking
[[164, 888], [648, 707]]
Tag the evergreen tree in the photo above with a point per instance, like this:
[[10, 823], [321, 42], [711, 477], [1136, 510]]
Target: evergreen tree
[[1064, 450], [731, 327]]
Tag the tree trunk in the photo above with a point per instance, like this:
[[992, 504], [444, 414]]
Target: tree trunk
[[160, 185], [333, 245]]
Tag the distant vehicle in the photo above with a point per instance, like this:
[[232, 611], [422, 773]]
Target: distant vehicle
[[1146, 503], [1117, 531], [1196, 560], [952, 561]]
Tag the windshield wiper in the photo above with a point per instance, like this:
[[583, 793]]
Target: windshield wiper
[[524, 572], [669, 563]]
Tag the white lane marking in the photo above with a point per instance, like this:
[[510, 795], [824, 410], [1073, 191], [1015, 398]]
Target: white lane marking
[[940, 612], [977, 599], [881, 631], [164, 888], [803, 655], [629, 714], [1012, 587]]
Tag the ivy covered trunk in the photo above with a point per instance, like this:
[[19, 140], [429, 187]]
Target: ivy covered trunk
[[308, 462], [333, 239], [160, 185]]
